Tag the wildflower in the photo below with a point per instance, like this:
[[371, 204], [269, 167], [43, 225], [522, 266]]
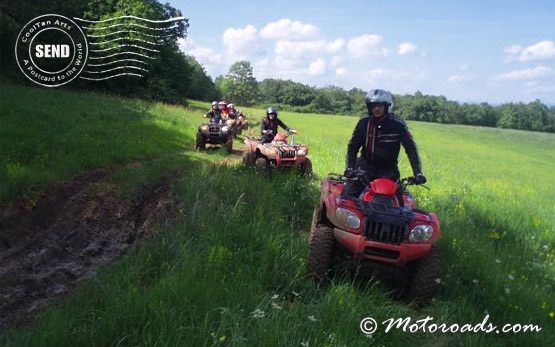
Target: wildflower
[[551, 314], [507, 290], [258, 313], [222, 338], [497, 261], [276, 306], [511, 277], [305, 343], [275, 296], [312, 319]]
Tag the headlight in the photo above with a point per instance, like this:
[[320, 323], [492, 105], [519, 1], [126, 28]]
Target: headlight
[[272, 152], [302, 151], [421, 233], [225, 128], [347, 218], [203, 128]]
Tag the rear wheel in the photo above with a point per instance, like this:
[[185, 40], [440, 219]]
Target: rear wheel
[[321, 249], [424, 279]]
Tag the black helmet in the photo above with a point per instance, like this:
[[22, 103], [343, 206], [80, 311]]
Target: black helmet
[[272, 110]]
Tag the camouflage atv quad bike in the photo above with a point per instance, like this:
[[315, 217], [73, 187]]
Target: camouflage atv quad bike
[[277, 155]]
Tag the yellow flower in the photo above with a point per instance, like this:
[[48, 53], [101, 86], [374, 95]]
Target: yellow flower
[[222, 338], [552, 314]]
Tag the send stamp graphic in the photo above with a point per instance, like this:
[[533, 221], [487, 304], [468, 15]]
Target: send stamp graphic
[[52, 50]]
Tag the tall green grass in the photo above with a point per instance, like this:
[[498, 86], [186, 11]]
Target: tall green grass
[[47, 136], [229, 270]]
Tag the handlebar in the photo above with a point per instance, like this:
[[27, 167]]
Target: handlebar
[[359, 175]]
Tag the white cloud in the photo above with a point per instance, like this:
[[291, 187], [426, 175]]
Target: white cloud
[[317, 67], [190, 47], [242, 43], [290, 30], [538, 72], [366, 46], [406, 48], [460, 78], [301, 48], [341, 71], [544, 50], [513, 49]]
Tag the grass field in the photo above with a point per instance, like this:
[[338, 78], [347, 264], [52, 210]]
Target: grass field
[[228, 269]]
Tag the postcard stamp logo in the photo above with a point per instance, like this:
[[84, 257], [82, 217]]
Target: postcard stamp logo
[[51, 50]]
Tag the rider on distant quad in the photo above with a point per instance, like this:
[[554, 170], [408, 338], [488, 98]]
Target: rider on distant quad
[[380, 134], [270, 124], [214, 113]]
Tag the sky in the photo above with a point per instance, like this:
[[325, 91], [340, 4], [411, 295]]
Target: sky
[[468, 51]]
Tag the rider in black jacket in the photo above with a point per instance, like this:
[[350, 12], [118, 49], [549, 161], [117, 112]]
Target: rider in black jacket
[[269, 125], [214, 114], [379, 136]]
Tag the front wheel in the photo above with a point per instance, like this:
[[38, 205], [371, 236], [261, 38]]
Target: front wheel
[[305, 169], [229, 144], [201, 142], [425, 278], [321, 249], [262, 165], [248, 157]]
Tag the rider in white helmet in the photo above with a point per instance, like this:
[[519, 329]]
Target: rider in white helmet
[[214, 113], [379, 136]]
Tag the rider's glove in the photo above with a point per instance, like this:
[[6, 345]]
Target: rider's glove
[[349, 173], [420, 178]]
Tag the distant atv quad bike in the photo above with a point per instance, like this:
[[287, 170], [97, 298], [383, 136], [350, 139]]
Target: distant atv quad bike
[[215, 132], [375, 230], [278, 154]]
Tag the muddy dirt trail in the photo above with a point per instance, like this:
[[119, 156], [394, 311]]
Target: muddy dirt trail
[[47, 247]]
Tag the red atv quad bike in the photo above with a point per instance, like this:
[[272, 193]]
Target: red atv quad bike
[[375, 230], [278, 154]]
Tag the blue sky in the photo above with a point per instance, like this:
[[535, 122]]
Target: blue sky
[[467, 51]]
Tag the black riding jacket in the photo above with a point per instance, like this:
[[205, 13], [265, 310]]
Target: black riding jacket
[[214, 115], [380, 141], [272, 124]]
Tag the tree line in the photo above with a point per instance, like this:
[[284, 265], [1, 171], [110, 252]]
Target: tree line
[[173, 77], [240, 84]]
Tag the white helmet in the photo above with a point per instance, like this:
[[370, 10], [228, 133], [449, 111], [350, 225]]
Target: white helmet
[[231, 105], [379, 96]]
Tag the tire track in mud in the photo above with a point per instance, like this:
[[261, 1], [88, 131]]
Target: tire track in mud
[[71, 232]]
